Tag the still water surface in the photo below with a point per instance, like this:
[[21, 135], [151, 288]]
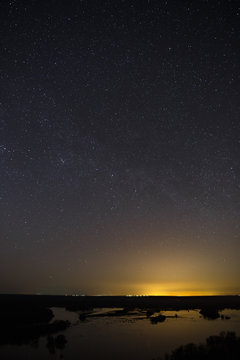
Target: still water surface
[[126, 337]]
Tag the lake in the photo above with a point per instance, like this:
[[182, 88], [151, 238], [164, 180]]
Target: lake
[[126, 337]]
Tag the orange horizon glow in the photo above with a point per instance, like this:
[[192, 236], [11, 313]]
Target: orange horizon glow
[[173, 293]]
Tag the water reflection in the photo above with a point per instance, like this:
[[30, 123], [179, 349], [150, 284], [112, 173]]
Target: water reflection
[[124, 334], [55, 343]]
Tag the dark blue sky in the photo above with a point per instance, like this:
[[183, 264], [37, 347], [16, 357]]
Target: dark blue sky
[[119, 146]]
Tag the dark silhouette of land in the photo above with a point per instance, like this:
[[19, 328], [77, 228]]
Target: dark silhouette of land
[[142, 302], [25, 318], [157, 319], [23, 321], [225, 346]]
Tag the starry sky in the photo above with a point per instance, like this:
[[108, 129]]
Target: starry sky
[[119, 147]]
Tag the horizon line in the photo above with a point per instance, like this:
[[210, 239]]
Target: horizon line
[[112, 295]]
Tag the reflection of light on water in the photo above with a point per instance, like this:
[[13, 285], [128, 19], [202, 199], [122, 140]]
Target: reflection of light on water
[[62, 314], [127, 338]]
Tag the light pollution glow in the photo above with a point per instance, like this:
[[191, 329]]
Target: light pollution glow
[[155, 270], [182, 277]]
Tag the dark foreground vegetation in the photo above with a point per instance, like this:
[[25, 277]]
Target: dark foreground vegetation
[[19, 334], [23, 323], [225, 346]]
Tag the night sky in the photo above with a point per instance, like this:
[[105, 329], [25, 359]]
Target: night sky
[[120, 147]]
